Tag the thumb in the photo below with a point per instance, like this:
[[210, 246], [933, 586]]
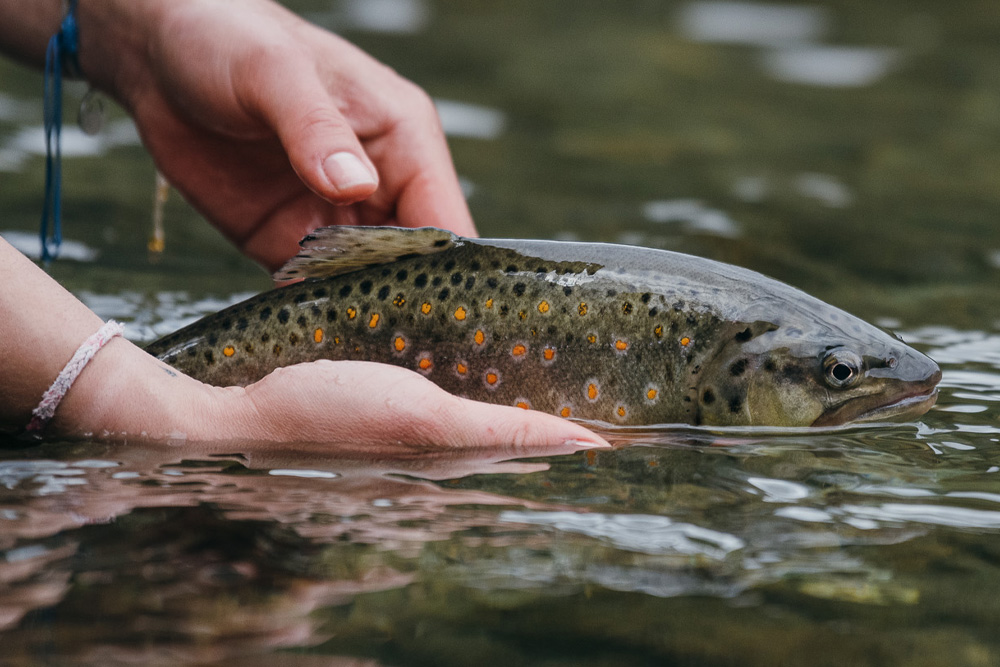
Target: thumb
[[321, 145]]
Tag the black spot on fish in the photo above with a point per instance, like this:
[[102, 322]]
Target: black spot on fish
[[365, 287], [708, 397], [793, 373], [738, 367], [627, 308], [402, 274], [192, 351], [301, 321], [209, 357], [440, 243], [265, 337], [276, 349], [248, 347], [511, 268], [743, 336], [319, 293], [227, 324], [383, 293], [345, 291], [475, 266], [653, 311], [541, 269], [570, 338], [735, 403], [315, 311], [646, 297], [213, 339], [612, 292], [519, 289], [300, 297], [331, 315], [443, 294], [409, 255], [293, 338], [393, 321], [386, 272], [770, 366], [470, 282], [449, 265], [283, 315], [456, 278], [492, 282], [265, 313], [420, 280], [678, 306], [242, 324], [437, 281], [567, 290], [504, 309]]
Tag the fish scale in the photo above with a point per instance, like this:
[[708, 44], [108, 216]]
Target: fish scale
[[593, 331]]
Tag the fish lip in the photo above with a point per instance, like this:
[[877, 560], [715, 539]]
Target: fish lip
[[909, 404]]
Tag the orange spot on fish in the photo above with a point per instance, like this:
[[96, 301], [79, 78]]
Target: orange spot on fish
[[489, 303], [543, 307], [651, 394], [522, 404], [460, 313], [276, 349], [492, 378], [685, 341], [399, 301], [621, 412], [591, 338], [461, 368], [336, 340], [479, 337], [658, 330], [425, 364], [591, 457], [425, 308], [621, 345], [549, 354], [229, 350], [373, 322], [522, 315], [318, 335], [653, 463], [583, 308], [399, 343], [565, 411], [519, 350], [351, 313], [593, 391]]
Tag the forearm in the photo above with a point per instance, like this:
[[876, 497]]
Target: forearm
[[113, 37], [122, 390]]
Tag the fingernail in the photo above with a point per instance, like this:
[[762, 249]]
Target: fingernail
[[346, 171], [587, 444]]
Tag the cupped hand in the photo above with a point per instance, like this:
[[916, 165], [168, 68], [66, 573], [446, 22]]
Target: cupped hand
[[387, 410], [271, 126]]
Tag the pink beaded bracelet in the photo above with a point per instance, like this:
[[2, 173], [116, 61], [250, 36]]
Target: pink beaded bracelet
[[51, 399]]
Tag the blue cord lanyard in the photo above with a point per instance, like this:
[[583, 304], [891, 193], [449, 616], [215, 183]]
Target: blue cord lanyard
[[61, 54]]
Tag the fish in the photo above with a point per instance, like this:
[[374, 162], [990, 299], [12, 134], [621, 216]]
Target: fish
[[608, 333]]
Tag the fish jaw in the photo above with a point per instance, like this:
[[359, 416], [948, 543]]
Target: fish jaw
[[901, 401]]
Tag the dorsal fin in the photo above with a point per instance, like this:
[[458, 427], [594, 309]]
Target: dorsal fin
[[331, 251]]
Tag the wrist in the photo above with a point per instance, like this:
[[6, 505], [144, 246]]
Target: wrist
[[124, 393]]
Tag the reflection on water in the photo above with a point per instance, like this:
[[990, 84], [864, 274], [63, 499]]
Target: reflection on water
[[834, 66], [209, 554]]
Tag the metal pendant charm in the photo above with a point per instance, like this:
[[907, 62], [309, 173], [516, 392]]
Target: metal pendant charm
[[92, 113]]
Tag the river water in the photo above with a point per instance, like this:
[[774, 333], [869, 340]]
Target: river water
[[849, 148]]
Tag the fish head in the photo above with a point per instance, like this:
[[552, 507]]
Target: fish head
[[782, 374]]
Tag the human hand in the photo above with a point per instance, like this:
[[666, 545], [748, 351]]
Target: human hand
[[263, 120], [356, 406]]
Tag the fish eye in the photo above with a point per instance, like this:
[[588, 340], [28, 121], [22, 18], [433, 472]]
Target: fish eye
[[841, 368]]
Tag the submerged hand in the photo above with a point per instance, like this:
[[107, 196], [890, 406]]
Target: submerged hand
[[263, 120]]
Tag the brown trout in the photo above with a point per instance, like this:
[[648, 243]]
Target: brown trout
[[612, 333]]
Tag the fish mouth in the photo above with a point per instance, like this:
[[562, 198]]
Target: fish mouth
[[906, 406]]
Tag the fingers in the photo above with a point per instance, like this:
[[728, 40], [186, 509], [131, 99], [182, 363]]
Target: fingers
[[390, 410], [321, 144]]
